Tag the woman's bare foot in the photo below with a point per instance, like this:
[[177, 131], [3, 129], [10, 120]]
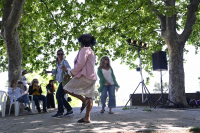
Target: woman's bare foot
[[110, 112]]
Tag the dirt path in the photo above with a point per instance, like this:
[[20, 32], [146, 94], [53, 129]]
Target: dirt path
[[130, 120]]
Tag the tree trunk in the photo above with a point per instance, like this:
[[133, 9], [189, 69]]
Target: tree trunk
[[176, 72], [176, 43], [11, 17], [14, 54]]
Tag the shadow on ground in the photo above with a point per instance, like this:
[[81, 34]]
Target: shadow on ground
[[130, 120]]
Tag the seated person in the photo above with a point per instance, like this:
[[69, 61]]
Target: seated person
[[50, 94], [19, 94], [36, 91]]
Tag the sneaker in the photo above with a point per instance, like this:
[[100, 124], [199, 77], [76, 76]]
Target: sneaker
[[30, 113], [68, 114], [26, 108], [44, 111], [57, 115]]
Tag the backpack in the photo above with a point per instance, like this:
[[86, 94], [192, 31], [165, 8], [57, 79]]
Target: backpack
[[194, 103]]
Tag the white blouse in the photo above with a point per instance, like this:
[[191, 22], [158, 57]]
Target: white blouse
[[108, 76]]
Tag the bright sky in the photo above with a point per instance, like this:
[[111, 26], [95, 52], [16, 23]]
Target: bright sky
[[129, 79]]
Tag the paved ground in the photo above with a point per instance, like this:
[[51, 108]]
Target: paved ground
[[131, 120]]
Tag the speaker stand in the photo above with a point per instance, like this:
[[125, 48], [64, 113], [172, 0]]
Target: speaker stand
[[162, 96]]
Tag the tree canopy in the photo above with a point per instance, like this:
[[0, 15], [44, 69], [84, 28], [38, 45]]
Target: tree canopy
[[45, 26], [48, 25], [113, 22]]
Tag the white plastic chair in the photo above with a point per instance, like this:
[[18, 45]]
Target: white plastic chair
[[3, 96], [14, 101], [33, 103]]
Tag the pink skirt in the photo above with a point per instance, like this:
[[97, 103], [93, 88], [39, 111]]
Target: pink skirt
[[81, 86]]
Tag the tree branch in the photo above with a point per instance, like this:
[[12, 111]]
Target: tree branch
[[153, 32], [7, 10], [127, 4], [6, 13], [161, 17], [134, 11], [170, 20], [191, 18], [129, 14], [51, 16], [162, 20], [16, 12]]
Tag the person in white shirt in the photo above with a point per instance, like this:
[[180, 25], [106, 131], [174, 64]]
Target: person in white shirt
[[108, 84], [19, 94], [24, 79]]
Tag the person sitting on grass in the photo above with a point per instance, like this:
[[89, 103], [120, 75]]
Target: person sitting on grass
[[20, 95]]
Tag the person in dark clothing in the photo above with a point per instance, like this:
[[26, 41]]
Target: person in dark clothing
[[36, 91], [50, 94]]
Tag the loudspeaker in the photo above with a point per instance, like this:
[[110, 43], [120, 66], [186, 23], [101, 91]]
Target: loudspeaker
[[159, 61]]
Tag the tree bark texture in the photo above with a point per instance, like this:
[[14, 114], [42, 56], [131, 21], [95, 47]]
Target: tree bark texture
[[176, 73], [176, 43], [11, 17], [14, 54]]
